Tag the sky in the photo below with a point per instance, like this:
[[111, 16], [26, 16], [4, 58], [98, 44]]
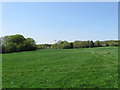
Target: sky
[[46, 22]]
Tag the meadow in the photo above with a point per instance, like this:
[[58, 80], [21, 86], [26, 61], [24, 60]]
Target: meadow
[[61, 68]]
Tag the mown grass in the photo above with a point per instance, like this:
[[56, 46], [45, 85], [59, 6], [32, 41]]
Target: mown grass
[[63, 68]]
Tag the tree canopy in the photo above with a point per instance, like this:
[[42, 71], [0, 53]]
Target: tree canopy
[[84, 44], [17, 43]]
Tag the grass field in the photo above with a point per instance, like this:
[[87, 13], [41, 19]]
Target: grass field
[[63, 68]]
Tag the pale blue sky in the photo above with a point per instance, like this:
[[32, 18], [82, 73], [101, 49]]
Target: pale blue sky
[[49, 21]]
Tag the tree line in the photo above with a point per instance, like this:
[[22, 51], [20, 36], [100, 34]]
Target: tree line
[[78, 44], [43, 46], [16, 43]]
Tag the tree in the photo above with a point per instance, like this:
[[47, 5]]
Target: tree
[[4, 40], [106, 44], [71, 45], [76, 44], [65, 45], [16, 43], [97, 44], [61, 45], [29, 44], [54, 46], [20, 47], [84, 44], [32, 41], [91, 44], [16, 39], [10, 47]]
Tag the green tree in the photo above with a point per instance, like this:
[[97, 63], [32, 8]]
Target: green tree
[[4, 40], [71, 45], [97, 43], [76, 44], [54, 46], [32, 41], [29, 44], [10, 47], [16, 39], [65, 45], [91, 43], [17, 43]]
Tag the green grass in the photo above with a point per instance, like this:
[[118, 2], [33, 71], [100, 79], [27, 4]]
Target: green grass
[[63, 68]]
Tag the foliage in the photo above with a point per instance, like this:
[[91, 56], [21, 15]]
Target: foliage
[[61, 45], [76, 44], [17, 43], [97, 44], [43, 46], [83, 44], [29, 44], [10, 47], [16, 39]]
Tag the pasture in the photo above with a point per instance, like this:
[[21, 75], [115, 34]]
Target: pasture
[[61, 68]]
